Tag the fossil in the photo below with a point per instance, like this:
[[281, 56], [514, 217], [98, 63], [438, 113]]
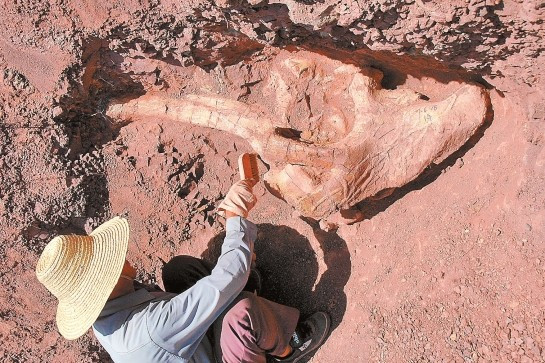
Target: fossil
[[335, 137]]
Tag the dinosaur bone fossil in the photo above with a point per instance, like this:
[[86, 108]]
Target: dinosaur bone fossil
[[333, 136]]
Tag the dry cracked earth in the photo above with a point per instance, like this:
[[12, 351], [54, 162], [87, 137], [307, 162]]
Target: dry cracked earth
[[436, 254]]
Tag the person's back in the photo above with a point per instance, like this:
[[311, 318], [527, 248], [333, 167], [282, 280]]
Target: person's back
[[126, 337]]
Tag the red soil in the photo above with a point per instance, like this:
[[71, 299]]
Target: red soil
[[448, 268]]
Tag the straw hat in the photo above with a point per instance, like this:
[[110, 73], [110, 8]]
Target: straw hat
[[82, 271]]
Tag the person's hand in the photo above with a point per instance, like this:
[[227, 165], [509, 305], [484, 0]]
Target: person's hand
[[239, 200]]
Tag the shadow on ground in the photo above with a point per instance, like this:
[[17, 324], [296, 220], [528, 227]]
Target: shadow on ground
[[289, 268]]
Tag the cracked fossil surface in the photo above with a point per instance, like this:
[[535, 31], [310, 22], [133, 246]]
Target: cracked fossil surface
[[333, 136]]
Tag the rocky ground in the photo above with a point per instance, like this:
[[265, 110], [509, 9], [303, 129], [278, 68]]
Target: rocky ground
[[449, 267]]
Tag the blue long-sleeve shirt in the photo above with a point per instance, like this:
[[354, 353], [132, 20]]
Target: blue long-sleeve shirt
[[163, 327]]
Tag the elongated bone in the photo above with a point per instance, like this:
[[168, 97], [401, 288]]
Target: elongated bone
[[225, 115]]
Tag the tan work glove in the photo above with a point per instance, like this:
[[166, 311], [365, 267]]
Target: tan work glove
[[240, 199]]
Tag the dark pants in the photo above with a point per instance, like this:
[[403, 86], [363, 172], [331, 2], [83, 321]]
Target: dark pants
[[249, 328]]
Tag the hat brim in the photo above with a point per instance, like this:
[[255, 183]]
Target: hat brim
[[101, 270]]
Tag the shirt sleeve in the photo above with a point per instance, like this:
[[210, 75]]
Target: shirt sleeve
[[180, 323]]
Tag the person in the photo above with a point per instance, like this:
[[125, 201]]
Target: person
[[204, 316]]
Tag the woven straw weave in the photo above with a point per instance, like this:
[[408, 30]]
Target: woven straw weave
[[82, 271]]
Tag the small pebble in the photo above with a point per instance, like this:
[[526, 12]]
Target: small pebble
[[57, 111], [460, 163]]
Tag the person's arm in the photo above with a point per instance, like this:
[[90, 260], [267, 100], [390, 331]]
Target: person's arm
[[229, 214], [182, 321]]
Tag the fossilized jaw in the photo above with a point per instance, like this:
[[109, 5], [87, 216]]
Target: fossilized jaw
[[214, 112], [381, 140], [225, 115]]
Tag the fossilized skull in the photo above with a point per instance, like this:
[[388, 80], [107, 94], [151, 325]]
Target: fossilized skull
[[335, 136]]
